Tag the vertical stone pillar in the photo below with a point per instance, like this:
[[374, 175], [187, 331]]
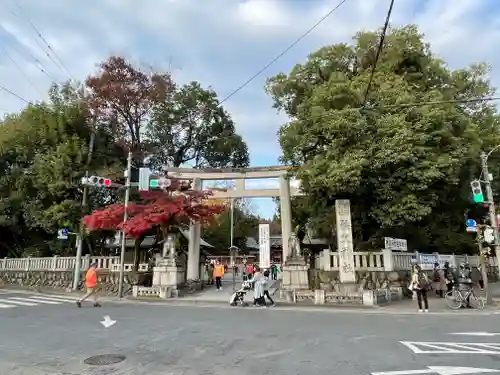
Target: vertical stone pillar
[[193, 259], [344, 241], [286, 215], [388, 260]]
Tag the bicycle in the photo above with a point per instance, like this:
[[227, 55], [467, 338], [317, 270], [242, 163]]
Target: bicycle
[[456, 299]]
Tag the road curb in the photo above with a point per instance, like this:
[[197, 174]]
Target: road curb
[[302, 308]]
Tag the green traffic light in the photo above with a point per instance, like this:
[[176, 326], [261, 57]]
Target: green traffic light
[[154, 183], [478, 198]]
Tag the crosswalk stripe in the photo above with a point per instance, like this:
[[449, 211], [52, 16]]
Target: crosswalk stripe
[[59, 297], [35, 300], [3, 306], [21, 303], [55, 299]]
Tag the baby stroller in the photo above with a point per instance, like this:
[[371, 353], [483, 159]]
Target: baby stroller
[[238, 297]]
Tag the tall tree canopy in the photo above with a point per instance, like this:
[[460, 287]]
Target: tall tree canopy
[[43, 153], [190, 127], [170, 125], [44, 148], [405, 167]]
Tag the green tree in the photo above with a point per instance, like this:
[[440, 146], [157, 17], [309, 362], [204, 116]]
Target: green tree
[[190, 127], [406, 168], [218, 232], [160, 122], [43, 152]]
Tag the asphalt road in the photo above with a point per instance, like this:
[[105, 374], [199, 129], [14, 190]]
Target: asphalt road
[[187, 340]]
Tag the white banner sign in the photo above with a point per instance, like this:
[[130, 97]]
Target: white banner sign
[[396, 244], [264, 246], [427, 261]]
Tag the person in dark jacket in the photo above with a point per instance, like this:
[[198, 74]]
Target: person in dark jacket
[[465, 281]]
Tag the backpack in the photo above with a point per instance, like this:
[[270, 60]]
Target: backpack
[[422, 281], [435, 276]]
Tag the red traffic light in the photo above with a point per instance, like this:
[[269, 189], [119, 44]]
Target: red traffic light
[[106, 182]]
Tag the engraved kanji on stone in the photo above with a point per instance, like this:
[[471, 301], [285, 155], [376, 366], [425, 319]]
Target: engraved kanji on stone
[[347, 268]]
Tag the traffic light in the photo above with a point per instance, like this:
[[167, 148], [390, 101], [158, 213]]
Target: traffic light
[[160, 183], [144, 174], [477, 192], [96, 181]]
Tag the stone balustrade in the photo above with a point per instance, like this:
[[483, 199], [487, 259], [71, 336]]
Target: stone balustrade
[[387, 260], [57, 263], [327, 260]]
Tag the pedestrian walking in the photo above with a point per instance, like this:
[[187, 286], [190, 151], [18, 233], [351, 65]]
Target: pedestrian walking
[[420, 284], [90, 285], [266, 288], [210, 273], [438, 280], [258, 282], [244, 273], [218, 275], [274, 271], [250, 271]]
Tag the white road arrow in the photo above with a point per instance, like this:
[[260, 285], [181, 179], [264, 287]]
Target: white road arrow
[[439, 370], [476, 333], [107, 322]]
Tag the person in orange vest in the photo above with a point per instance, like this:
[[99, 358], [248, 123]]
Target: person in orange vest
[[218, 275], [91, 285]]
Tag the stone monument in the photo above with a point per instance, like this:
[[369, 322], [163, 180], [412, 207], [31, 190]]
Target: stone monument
[[167, 273], [345, 246], [295, 269]]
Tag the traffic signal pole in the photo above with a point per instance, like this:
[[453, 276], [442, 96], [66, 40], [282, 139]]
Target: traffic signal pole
[[128, 172], [79, 238], [483, 264], [491, 207]]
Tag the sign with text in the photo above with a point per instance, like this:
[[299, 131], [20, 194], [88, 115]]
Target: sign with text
[[395, 244], [427, 261], [264, 246], [344, 241]]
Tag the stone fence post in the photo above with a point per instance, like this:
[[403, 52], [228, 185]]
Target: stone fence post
[[53, 266], [4, 263], [325, 260], [27, 262], [388, 260], [86, 262]]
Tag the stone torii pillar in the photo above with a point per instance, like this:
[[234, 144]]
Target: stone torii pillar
[[286, 215], [193, 258]]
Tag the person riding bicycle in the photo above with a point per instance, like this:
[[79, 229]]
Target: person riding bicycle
[[464, 280]]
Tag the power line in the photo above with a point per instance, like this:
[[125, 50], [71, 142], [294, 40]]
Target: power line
[[37, 63], [21, 70], [14, 94], [59, 64], [379, 50], [282, 53], [276, 58]]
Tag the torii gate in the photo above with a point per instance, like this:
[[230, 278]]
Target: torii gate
[[240, 175]]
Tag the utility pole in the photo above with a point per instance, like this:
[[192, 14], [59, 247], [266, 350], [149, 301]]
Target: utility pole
[[79, 238], [491, 206], [484, 273], [128, 173]]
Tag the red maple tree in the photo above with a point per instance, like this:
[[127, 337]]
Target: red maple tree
[[159, 209]]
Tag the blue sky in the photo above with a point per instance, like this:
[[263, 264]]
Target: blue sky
[[221, 43]]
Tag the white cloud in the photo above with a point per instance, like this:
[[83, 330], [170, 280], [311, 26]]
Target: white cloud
[[223, 42]]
